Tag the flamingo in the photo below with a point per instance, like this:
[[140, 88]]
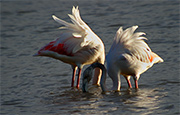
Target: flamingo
[[129, 56], [78, 45]]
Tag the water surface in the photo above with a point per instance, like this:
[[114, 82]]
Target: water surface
[[41, 85]]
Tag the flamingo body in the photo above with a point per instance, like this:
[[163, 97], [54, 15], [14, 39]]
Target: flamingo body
[[78, 45], [129, 56]]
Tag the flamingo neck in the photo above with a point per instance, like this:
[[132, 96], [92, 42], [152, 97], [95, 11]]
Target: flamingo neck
[[116, 85], [103, 80], [87, 75], [103, 76]]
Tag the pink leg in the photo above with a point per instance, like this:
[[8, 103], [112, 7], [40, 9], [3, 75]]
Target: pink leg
[[73, 76], [136, 84], [78, 80], [136, 80], [97, 76], [129, 83]]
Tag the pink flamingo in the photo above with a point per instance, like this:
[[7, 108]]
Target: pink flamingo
[[78, 45], [129, 56]]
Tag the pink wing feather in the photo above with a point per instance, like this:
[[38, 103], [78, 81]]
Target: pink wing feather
[[59, 48], [72, 39]]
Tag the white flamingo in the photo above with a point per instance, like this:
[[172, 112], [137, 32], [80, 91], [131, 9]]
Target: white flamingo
[[129, 56], [78, 45]]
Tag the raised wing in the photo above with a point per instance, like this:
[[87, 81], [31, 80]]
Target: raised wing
[[133, 43], [77, 31], [73, 38]]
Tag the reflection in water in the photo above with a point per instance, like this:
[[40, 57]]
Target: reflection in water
[[73, 100], [145, 101]]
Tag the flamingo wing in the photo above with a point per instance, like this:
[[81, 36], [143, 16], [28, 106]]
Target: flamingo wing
[[78, 45], [73, 39], [132, 44]]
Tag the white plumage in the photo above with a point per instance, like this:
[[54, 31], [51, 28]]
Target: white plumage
[[129, 56]]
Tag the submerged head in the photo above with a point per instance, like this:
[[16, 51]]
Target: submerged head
[[87, 76]]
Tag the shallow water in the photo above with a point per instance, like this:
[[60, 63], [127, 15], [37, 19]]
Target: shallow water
[[40, 85]]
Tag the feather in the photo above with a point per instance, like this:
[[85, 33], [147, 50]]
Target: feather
[[76, 32], [132, 43]]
